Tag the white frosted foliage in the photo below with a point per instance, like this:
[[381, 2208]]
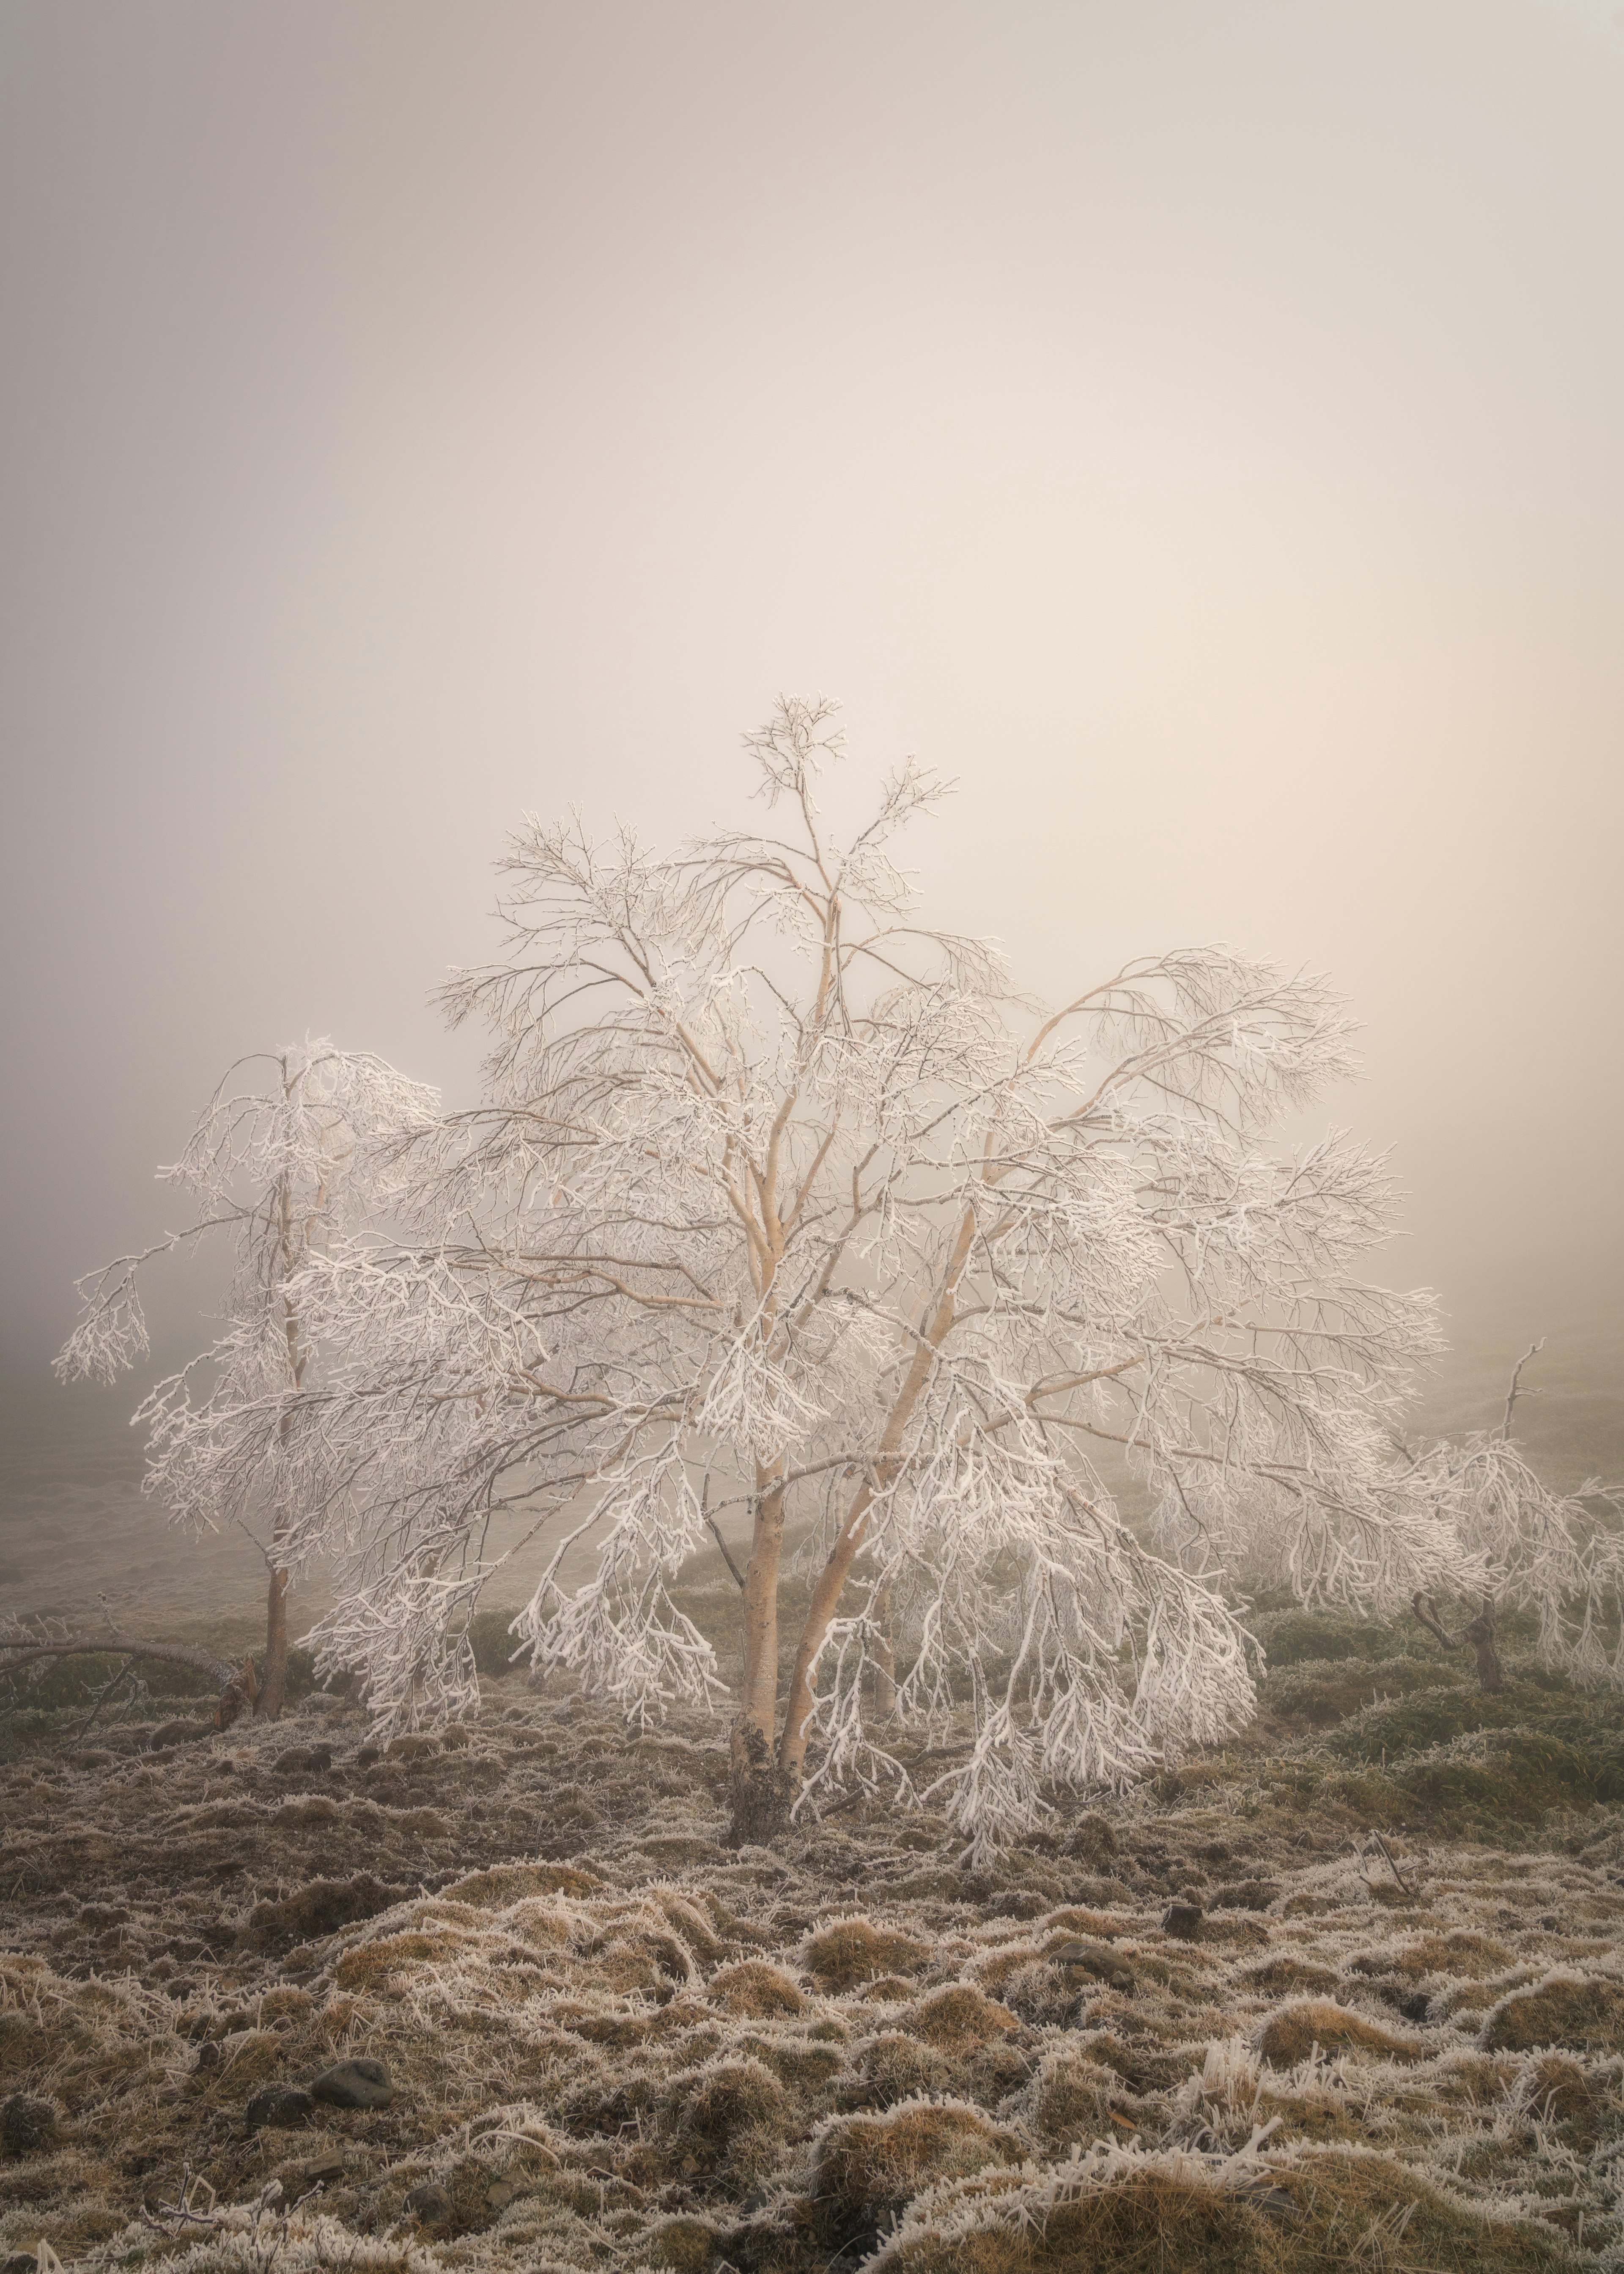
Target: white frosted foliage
[[293, 1155], [781, 1203]]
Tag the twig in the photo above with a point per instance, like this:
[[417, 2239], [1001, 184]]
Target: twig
[[704, 1503], [1512, 1394], [1392, 1866]]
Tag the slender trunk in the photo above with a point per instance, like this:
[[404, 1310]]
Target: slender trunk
[[760, 1802], [884, 1657], [273, 1679], [831, 1580], [273, 1694], [1480, 1633], [834, 1575]]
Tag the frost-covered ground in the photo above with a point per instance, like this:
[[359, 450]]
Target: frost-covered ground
[[1395, 2038]]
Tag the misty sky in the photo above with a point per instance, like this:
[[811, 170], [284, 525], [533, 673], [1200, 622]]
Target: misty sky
[[1198, 425]]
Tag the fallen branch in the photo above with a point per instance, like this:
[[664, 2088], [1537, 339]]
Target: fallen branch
[[236, 1685]]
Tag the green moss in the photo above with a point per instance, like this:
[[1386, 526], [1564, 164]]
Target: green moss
[[1371, 1796], [1320, 1692], [1512, 1777], [1429, 1718], [1294, 1635]]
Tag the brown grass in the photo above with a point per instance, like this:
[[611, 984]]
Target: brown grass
[[1289, 2036], [1328, 2211], [755, 1990], [867, 2168], [1588, 2015], [959, 2020]]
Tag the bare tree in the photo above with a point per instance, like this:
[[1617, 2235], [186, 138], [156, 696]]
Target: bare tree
[[781, 1203], [282, 1170], [1525, 1547]]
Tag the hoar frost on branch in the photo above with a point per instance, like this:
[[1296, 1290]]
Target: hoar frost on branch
[[1521, 1546], [281, 1168], [779, 1202]]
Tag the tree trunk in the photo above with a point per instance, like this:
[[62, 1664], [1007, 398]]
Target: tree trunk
[[760, 1793], [884, 1658], [273, 1678], [759, 1800], [1480, 1633], [825, 1596]]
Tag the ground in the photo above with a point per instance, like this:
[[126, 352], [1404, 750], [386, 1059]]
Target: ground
[[1390, 2034]]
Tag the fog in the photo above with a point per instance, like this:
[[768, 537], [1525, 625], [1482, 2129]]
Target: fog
[[1194, 427]]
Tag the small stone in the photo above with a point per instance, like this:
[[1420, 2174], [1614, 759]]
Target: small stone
[[20, 2262], [1273, 2203], [367, 1756], [430, 2203], [329, 2165], [1093, 1958], [1183, 1921], [355, 2084], [26, 2124], [282, 2105], [209, 2056]]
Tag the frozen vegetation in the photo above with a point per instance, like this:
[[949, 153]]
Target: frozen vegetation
[[1347, 1994], [780, 1204], [1130, 1803]]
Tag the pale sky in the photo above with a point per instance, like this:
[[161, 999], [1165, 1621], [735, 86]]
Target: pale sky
[[1197, 425]]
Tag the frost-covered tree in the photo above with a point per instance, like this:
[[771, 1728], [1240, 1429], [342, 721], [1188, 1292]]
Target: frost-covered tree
[[1521, 1546], [781, 1208], [281, 1169]]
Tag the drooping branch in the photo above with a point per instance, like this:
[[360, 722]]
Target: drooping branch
[[236, 1685]]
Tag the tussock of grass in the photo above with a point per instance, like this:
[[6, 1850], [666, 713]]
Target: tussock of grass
[[866, 2170], [1586, 2011], [1289, 2036], [853, 1950]]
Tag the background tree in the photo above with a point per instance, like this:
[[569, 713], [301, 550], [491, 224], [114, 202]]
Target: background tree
[[1560, 1555], [780, 1202], [282, 1170]]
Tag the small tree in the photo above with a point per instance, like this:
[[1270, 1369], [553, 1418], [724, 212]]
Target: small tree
[[282, 1171], [779, 1201], [1524, 1548]]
